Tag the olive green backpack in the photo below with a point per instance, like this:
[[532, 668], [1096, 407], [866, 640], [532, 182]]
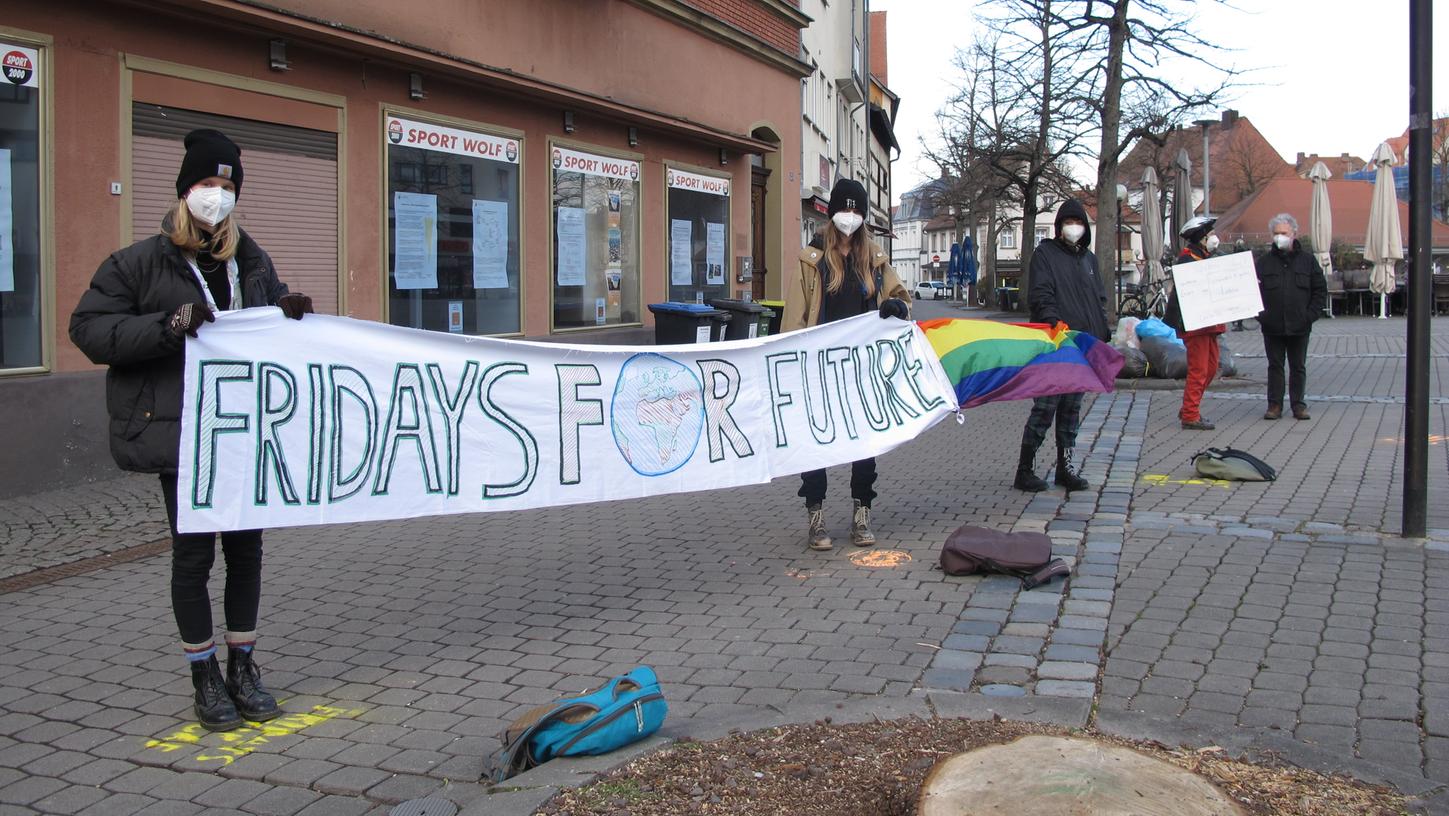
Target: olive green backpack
[[1232, 464]]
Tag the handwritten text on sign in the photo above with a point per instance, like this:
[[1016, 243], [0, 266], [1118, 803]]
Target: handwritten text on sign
[[1217, 290]]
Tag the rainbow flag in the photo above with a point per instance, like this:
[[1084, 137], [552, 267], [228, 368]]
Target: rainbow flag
[[990, 362]]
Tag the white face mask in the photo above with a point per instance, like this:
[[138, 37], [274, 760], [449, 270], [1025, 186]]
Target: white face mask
[[1211, 243], [1073, 232], [210, 205], [1283, 242], [847, 221]]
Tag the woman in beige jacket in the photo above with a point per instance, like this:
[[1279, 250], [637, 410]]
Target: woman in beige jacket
[[843, 273]]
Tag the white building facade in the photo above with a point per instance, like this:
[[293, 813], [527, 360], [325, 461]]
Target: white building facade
[[834, 105]]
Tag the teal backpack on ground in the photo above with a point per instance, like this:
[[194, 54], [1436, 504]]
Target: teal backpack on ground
[[626, 709], [1233, 465]]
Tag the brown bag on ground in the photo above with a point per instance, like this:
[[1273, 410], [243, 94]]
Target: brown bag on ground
[[1027, 556]]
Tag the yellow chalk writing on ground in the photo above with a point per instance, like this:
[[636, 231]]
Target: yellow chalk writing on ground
[[243, 741], [1163, 479]]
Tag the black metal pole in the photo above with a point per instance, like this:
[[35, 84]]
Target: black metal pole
[[1420, 294]]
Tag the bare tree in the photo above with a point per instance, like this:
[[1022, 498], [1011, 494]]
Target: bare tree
[[1439, 147], [1248, 164]]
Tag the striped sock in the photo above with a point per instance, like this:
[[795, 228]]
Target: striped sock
[[197, 652], [241, 641]]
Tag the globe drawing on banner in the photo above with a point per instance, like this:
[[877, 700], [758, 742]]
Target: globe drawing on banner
[[658, 413]]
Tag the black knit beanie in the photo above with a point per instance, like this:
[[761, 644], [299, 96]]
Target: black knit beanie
[[847, 194], [209, 153]]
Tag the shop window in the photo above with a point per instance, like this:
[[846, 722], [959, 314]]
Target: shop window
[[452, 229], [21, 344], [699, 227], [595, 240]]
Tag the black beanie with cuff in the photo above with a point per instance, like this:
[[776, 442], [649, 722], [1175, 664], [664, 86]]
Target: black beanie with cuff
[[209, 153]]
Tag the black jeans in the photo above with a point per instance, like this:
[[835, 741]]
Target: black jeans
[[192, 555], [862, 482], [1065, 409], [1294, 347]]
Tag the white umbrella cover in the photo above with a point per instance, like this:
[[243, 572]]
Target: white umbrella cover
[[1383, 244], [1151, 226], [1181, 198], [1320, 220]]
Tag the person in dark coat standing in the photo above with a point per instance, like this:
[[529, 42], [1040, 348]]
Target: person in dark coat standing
[[1065, 288], [142, 303], [1202, 343], [1294, 295]]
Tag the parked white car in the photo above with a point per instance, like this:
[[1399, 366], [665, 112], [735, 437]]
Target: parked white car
[[930, 290]]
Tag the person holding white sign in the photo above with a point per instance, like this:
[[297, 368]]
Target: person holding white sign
[[1202, 344], [1294, 296], [142, 303], [843, 273]]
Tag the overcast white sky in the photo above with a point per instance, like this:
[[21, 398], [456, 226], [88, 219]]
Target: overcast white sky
[[1328, 76]]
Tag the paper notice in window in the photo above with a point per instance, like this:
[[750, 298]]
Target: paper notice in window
[[415, 240], [714, 253], [681, 252], [572, 246], [490, 244]]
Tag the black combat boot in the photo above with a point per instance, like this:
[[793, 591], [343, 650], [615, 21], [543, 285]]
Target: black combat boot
[[1068, 476], [1026, 478], [244, 684], [214, 708]]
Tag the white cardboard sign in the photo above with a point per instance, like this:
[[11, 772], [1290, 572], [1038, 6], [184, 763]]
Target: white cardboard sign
[[1217, 290]]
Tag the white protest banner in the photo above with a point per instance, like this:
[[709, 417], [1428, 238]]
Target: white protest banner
[[329, 419], [1217, 290]]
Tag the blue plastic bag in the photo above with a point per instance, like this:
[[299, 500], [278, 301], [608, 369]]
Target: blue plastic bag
[[1153, 327]]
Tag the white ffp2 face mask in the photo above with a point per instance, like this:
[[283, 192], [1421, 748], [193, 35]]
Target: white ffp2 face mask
[[1211, 243], [210, 205], [847, 222], [1073, 232], [1283, 242]]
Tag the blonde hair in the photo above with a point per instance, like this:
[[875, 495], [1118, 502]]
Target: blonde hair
[[861, 248], [223, 242]]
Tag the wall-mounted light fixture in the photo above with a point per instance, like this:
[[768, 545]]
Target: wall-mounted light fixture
[[415, 88], [724, 157], [568, 121], [277, 57], [633, 137]]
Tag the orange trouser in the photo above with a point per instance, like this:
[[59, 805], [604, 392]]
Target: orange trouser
[[1202, 366]]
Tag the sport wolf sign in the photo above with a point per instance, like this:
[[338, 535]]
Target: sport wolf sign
[[330, 420]]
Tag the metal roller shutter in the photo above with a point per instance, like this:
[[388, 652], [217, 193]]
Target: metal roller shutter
[[289, 194]]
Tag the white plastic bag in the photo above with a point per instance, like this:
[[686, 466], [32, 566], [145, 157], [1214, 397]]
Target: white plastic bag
[[1126, 334]]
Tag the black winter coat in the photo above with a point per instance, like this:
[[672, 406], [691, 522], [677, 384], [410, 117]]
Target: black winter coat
[[121, 322], [1065, 286], [1294, 291]]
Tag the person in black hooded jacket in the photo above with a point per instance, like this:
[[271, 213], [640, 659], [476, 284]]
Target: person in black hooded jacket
[[1065, 288], [142, 303]]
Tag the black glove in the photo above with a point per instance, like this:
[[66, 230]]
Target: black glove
[[295, 305], [188, 318], [895, 307]]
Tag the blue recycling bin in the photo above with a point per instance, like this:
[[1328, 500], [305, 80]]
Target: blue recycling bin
[[678, 323]]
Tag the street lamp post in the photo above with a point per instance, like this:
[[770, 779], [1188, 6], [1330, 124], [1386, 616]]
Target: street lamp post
[[1207, 208], [1121, 196]]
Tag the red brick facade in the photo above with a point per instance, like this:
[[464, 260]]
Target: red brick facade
[[756, 19]]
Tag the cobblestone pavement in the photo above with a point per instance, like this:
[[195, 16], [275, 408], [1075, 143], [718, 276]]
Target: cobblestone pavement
[[1256, 616]]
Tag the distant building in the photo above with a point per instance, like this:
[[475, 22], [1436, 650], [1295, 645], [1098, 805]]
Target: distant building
[[1241, 161], [1340, 166]]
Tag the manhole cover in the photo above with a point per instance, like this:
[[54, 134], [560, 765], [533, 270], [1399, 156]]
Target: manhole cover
[[426, 806], [877, 559]]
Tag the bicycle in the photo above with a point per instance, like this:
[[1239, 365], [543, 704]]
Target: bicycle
[[1150, 300]]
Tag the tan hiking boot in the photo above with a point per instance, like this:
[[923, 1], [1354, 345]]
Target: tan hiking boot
[[860, 534]]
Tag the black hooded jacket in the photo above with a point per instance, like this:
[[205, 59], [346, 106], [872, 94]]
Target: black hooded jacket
[[121, 322], [1065, 284]]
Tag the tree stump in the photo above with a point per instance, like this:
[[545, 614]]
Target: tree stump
[[1066, 776]]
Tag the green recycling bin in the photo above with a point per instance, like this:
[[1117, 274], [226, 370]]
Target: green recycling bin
[[749, 318], [778, 308]]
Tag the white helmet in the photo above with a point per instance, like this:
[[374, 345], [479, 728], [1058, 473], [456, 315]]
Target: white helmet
[[1198, 227]]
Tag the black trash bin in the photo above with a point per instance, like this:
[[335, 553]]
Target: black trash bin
[[750, 319], [722, 321], [777, 310], [1008, 298], [682, 323]]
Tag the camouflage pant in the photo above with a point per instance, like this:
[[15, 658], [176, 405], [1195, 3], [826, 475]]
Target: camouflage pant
[[1066, 409]]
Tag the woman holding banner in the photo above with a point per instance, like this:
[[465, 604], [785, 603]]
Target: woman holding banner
[[843, 273], [142, 303]]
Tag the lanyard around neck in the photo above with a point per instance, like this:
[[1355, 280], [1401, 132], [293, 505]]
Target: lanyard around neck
[[233, 283]]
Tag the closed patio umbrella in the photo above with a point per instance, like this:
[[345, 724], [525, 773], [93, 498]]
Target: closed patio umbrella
[[1151, 226], [1320, 222], [1181, 199], [1383, 245]]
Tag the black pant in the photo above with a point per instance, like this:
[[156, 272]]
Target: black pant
[[862, 481], [1065, 409], [191, 557], [1295, 348]]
